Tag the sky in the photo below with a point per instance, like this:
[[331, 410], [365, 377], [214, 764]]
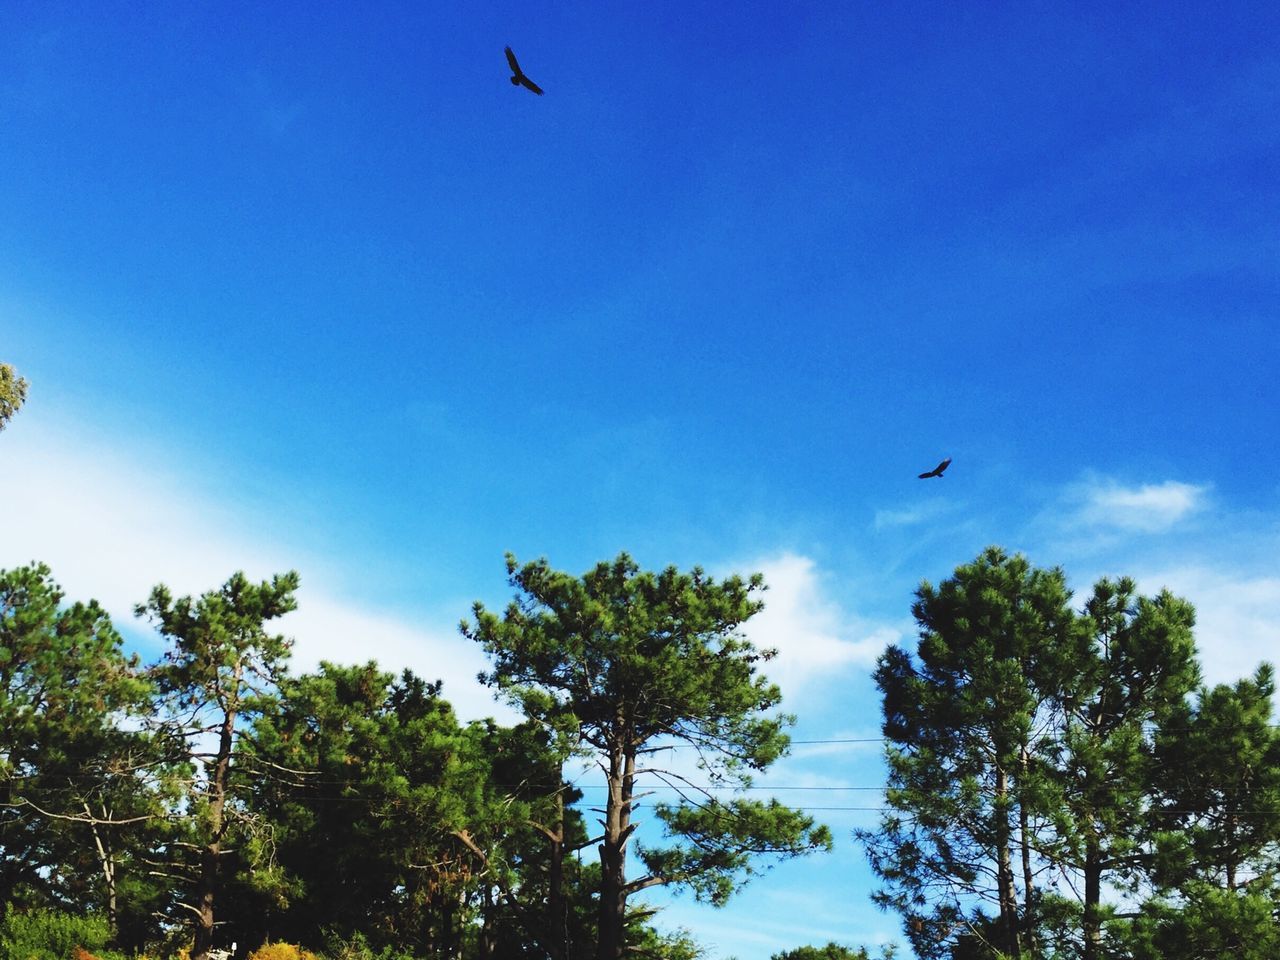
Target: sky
[[314, 287]]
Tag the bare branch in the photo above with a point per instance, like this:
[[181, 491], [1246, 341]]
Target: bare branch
[[79, 818]]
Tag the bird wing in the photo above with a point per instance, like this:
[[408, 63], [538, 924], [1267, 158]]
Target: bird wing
[[942, 466], [526, 82], [511, 59], [926, 476]]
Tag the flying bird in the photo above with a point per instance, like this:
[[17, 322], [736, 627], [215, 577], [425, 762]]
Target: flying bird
[[518, 79], [938, 470]]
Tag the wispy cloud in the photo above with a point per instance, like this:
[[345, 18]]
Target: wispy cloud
[[1103, 507], [111, 522], [885, 519], [1150, 508], [1222, 560]]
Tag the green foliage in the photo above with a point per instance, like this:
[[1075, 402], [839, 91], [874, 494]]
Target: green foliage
[[396, 818], [13, 391], [220, 650], [1032, 746], [647, 943], [586, 655], [1219, 765], [722, 839], [959, 720], [832, 951], [1210, 923], [1020, 753], [51, 934], [65, 687], [219, 673], [380, 781], [1134, 676], [356, 947]]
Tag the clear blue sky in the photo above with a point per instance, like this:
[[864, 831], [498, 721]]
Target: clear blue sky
[[315, 286]]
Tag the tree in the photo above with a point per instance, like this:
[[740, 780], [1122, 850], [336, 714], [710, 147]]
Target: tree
[[373, 773], [962, 721], [521, 827], [1023, 731], [626, 663], [70, 775], [13, 391], [393, 822], [221, 671], [1216, 819], [1218, 764], [1132, 678]]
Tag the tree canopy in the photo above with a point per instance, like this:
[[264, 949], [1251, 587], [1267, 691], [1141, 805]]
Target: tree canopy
[[1047, 764], [221, 670], [13, 392], [1060, 783], [626, 664]]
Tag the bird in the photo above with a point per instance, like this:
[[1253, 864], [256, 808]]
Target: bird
[[518, 79], [938, 470]]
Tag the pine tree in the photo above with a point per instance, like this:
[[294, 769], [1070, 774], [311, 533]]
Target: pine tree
[[73, 781], [623, 663], [221, 670], [964, 719], [1135, 672], [1217, 828]]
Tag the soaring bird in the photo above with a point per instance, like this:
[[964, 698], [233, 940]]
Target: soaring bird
[[518, 79], [938, 470]]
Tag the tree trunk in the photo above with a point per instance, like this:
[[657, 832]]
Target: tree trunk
[[1231, 853], [1092, 897], [487, 948], [108, 864], [448, 926], [611, 943], [207, 887], [557, 907], [1024, 836], [1007, 892], [204, 903]]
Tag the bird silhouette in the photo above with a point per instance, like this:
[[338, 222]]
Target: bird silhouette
[[518, 79], [938, 470]]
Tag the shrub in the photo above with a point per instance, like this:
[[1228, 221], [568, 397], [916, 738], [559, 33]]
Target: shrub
[[52, 935], [356, 947], [281, 951]]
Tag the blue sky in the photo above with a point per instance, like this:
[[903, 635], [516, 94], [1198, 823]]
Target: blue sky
[[318, 288]]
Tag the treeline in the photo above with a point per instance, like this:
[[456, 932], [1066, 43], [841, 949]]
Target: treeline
[[212, 798], [1061, 783]]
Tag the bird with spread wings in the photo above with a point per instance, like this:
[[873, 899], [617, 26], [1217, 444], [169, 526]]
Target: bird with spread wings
[[938, 470], [518, 78]]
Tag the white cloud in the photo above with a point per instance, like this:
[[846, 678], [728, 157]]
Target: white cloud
[[1237, 617], [330, 629], [111, 521], [1150, 508], [814, 637]]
